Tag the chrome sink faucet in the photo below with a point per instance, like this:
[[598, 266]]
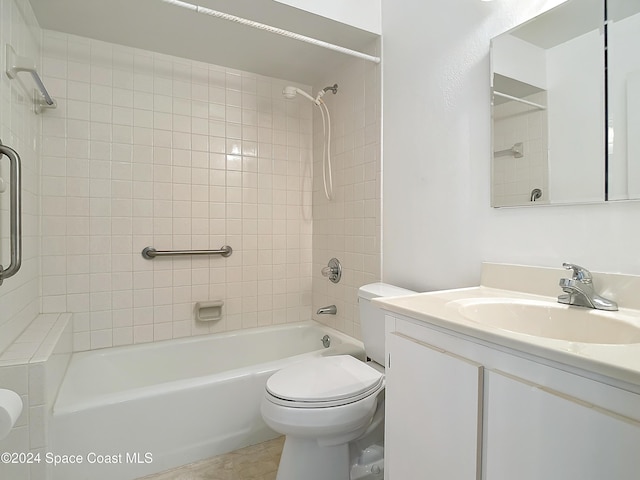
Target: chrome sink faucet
[[579, 290]]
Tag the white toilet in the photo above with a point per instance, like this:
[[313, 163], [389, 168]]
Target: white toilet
[[331, 409]]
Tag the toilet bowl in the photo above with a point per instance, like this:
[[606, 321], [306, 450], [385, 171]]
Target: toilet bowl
[[331, 409], [321, 405]]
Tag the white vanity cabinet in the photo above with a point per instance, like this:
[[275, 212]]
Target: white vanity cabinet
[[532, 432], [463, 409], [433, 415]]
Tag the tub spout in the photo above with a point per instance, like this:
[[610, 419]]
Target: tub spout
[[329, 310]]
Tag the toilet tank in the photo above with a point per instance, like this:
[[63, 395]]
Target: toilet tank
[[372, 318]]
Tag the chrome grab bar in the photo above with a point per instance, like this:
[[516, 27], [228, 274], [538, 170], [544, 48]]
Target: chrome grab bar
[[15, 213], [150, 252], [517, 151], [45, 94], [16, 64]]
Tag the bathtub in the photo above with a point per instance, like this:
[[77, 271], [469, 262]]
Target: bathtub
[[126, 412]]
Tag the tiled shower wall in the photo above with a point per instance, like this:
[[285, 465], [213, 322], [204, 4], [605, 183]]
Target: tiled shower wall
[[151, 150], [349, 226], [515, 178], [20, 294], [20, 130]]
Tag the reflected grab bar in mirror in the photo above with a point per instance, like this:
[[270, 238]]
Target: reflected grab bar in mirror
[[150, 252], [15, 214], [517, 151]]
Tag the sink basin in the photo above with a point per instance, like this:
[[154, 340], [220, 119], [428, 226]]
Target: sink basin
[[552, 320]]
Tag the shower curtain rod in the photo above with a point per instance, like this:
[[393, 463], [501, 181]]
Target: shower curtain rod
[[269, 28]]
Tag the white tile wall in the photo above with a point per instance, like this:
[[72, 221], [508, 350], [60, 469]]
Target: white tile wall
[[151, 150], [515, 178], [33, 367], [146, 149], [20, 295], [20, 130], [349, 226]]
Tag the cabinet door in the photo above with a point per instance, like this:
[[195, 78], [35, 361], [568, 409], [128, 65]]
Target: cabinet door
[[433, 405], [532, 433]]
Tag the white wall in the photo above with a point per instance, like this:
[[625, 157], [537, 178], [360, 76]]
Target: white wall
[[633, 140], [437, 223], [576, 119], [624, 68]]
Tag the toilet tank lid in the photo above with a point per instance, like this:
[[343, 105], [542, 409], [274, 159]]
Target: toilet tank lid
[[379, 289]]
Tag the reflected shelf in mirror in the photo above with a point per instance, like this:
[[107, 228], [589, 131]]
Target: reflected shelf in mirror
[[520, 100]]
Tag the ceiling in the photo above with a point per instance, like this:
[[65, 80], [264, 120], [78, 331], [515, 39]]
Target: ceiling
[[620, 9], [565, 22], [160, 27]]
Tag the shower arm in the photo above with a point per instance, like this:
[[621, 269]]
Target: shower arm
[[333, 88]]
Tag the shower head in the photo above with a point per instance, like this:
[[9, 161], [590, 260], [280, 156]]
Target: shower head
[[291, 92]]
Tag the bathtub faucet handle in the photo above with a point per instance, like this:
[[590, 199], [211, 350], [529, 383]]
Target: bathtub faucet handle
[[333, 270]]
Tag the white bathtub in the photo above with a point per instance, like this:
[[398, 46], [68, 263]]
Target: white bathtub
[[147, 408]]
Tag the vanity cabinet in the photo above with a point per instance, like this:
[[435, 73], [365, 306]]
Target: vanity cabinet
[[459, 408], [433, 414], [532, 432]]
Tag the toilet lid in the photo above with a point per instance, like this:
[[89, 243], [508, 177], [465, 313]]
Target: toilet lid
[[327, 381]]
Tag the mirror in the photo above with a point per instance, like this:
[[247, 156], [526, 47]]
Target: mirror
[[548, 108], [623, 39]]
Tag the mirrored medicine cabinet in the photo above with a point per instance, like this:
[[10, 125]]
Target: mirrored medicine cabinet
[[565, 109]]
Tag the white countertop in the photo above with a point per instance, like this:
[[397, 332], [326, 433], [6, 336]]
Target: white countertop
[[617, 361]]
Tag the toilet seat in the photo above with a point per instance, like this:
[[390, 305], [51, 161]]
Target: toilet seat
[[324, 382]]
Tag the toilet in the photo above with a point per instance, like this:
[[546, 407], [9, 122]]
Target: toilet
[[331, 409]]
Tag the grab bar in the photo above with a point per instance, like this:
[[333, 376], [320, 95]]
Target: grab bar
[[150, 252], [15, 214], [517, 151], [15, 64]]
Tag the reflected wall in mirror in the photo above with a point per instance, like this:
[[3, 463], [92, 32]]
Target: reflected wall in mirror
[[623, 33], [548, 108]]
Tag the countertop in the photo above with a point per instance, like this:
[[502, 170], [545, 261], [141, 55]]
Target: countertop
[[620, 362]]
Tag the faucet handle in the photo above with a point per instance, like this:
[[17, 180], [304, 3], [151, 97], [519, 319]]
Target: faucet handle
[[333, 270], [579, 273], [326, 271]]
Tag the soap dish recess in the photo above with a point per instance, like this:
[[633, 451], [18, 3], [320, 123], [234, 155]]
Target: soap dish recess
[[209, 311]]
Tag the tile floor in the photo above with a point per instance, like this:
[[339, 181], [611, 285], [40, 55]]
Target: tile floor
[[257, 462]]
